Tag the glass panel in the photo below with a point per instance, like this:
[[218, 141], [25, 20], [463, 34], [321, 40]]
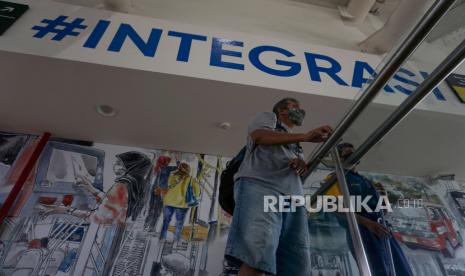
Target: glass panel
[[420, 162], [331, 247], [439, 43], [426, 222], [330, 251]]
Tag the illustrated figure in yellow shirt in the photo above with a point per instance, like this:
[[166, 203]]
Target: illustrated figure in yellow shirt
[[174, 199]]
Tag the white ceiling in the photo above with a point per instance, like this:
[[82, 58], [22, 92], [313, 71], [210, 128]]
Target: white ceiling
[[173, 112]]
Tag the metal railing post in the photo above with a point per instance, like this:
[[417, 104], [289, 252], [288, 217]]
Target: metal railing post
[[360, 254]]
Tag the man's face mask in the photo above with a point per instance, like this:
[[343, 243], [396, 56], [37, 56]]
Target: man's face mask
[[296, 115]]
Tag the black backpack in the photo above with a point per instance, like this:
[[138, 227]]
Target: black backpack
[[226, 191]]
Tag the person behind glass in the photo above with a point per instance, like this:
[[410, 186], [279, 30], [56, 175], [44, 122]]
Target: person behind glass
[[271, 242], [376, 237], [174, 199]]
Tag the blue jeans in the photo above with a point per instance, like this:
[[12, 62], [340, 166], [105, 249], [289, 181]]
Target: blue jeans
[[275, 243], [180, 214], [378, 254]]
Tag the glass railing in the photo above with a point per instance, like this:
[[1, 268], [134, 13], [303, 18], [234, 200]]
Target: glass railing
[[434, 50], [332, 249], [408, 148], [390, 84], [420, 165]]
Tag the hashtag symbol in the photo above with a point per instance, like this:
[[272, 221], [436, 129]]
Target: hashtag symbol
[[59, 27]]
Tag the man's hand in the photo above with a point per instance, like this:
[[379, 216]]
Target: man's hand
[[298, 165], [318, 135]]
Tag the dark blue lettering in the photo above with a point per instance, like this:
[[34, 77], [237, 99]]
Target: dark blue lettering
[[358, 79], [293, 67], [398, 77], [436, 91], [331, 71], [147, 48], [185, 44], [96, 34], [218, 51]]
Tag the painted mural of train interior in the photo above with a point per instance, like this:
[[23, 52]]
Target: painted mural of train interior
[[42, 244]]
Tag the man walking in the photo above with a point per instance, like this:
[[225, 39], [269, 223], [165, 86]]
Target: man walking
[[273, 243]]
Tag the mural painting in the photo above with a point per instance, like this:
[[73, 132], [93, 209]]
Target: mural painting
[[14, 152], [114, 210], [104, 209], [426, 219]]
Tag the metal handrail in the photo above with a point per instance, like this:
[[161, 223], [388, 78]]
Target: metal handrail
[[401, 54], [360, 254], [413, 40], [446, 67]]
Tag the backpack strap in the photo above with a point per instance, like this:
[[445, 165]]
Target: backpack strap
[[281, 127]]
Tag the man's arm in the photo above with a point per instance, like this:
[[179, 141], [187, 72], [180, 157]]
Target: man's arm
[[270, 137]]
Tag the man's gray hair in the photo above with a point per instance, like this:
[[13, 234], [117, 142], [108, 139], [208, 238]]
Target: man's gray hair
[[282, 104]]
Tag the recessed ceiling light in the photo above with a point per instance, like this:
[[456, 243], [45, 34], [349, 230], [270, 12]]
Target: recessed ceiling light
[[106, 110], [224, 125]]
